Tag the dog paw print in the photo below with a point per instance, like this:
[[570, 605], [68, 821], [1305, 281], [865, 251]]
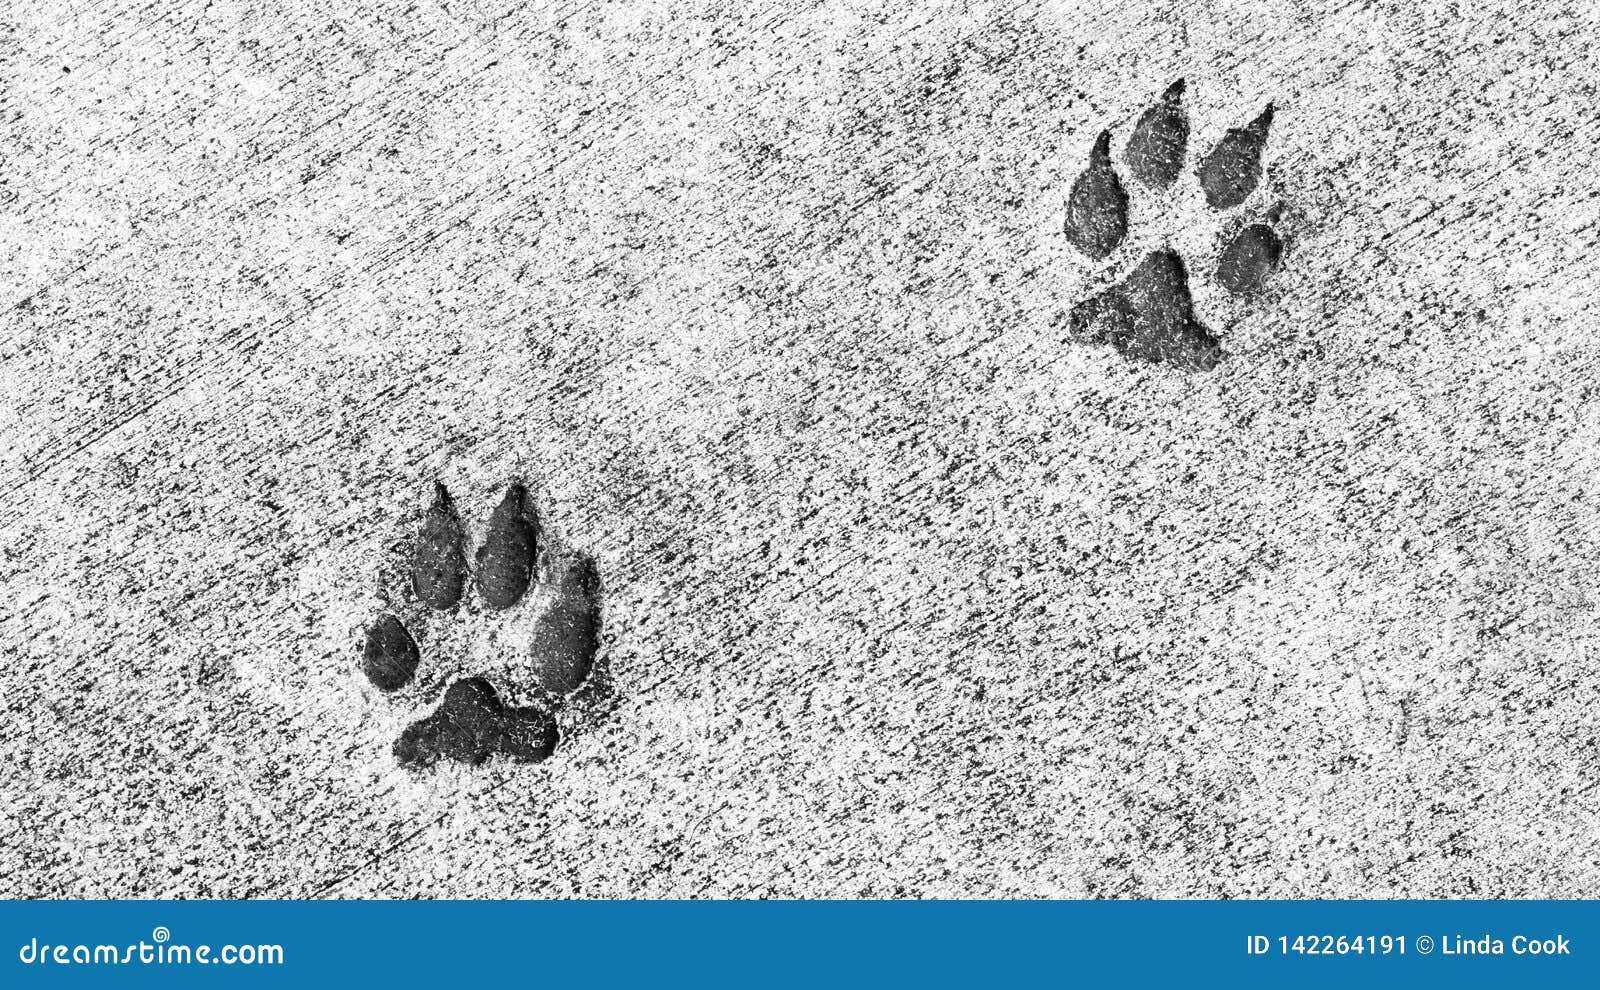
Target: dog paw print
[[527, 608], [1149, 315]]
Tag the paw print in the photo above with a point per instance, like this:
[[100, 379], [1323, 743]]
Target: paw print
[[528, 608], [1149, 315]]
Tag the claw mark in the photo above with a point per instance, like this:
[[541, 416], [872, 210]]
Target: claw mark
[[1231, 171], [472, 724], [1249, 259], [1097, 209], [439, 564], [1150, 317], [390, 656], [1160, 139], [505, 561]]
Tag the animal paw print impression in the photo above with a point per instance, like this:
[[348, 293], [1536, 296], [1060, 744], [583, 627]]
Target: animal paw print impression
[[1149, 315], [520, 597]]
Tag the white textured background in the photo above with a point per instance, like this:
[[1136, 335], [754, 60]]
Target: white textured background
[[905, 594]]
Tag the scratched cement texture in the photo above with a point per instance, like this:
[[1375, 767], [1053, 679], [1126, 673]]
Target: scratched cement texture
[[906, 588]]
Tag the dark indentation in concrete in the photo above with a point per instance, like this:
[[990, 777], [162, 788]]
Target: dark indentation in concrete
[[439, 563], [1233, 168], [1097, 209], [1249, 259], [473, 724], [568, 635], [1150, 317], [390, 657], [1160, 140], [510, 547]]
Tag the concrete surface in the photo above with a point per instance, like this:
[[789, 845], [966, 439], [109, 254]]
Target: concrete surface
[[906, 593]]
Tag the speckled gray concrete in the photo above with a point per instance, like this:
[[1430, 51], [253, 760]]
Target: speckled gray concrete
[[905, 592]]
